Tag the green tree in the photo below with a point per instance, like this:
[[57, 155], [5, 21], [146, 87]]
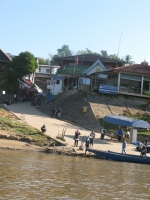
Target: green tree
[[64, 51], [43, 61], [114, 56], [128, 60], [82, 52], [22, 65], [104, 53]]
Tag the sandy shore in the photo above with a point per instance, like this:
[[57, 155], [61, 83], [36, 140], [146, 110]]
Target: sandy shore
[[17, 145]]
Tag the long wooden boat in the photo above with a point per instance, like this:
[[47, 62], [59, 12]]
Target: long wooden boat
[[120, 157]]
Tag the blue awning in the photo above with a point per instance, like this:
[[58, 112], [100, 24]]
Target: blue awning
[[125, 121]]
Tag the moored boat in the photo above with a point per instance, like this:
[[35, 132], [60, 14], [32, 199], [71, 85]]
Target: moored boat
[[120, 157]]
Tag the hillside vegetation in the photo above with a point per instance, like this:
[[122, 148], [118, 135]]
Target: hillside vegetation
[[13, 128]]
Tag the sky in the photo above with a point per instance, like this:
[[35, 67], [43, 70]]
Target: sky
[[42, 26]]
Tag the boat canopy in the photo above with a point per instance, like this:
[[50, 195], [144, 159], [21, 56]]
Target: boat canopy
[[126, 121]]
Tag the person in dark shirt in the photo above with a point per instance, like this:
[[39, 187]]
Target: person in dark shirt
[[143, 151], [54, 112], [43, 128], [145, 142], [76, 138], [120, 133], [59, 111], [87, 143]]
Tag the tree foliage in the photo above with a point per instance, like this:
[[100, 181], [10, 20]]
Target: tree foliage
[[104, 53], [43, 61], [53, 60], [22, 65], [64, 51], [82, 52], [128, 60]]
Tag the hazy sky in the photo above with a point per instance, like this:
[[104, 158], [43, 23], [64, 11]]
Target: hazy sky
[[43, 26]]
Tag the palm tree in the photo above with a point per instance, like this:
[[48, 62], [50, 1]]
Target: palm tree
[[128, 60]]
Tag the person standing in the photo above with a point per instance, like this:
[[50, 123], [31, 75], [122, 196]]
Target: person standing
[[76, 138], [54, 111], [87, 143], [145, 142], [59, 111], [120, 133], [15, 98], [103, 132], [92, 137], [124, 146]]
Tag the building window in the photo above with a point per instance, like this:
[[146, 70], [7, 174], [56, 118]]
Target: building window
[[84, 81], [48, 71], [39, 69], [58, 82]]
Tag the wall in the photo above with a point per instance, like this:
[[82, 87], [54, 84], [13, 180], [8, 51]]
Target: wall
[[92, 71], [113, 80], [47, 69], [55, 88]]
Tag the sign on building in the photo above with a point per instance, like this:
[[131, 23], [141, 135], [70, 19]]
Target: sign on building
[[109, 89]]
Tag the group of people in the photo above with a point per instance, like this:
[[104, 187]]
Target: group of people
[[56, 112], [143, 149], [89, 140], [19, 98]]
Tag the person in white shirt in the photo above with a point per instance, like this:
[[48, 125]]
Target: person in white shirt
[[15, 98], [92, 136]]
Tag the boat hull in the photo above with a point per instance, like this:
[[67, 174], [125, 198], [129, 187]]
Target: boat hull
[[120, 157]]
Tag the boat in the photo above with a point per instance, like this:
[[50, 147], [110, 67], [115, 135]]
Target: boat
[[120, 157]]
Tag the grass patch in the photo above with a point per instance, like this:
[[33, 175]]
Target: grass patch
[[18, 127]]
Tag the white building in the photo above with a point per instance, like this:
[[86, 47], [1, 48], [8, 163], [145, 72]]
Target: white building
[[44, 73]]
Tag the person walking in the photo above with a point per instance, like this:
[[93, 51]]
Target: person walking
[[92, 137], [59, 111], [76, 138], [124, 146], [54, 111]]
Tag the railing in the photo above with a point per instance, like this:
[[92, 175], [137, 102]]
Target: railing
[[131, 90]]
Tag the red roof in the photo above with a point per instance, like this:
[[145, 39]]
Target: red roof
[[135, 68]]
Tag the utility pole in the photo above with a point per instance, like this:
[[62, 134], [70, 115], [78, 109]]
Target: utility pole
[[118, 48]]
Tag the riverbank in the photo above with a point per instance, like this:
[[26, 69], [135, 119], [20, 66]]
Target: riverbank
[[13, 145], [32, 117]]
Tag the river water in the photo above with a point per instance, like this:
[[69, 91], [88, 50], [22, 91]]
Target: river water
[[41, 176]]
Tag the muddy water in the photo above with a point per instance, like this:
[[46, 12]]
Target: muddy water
[[30, 175]]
